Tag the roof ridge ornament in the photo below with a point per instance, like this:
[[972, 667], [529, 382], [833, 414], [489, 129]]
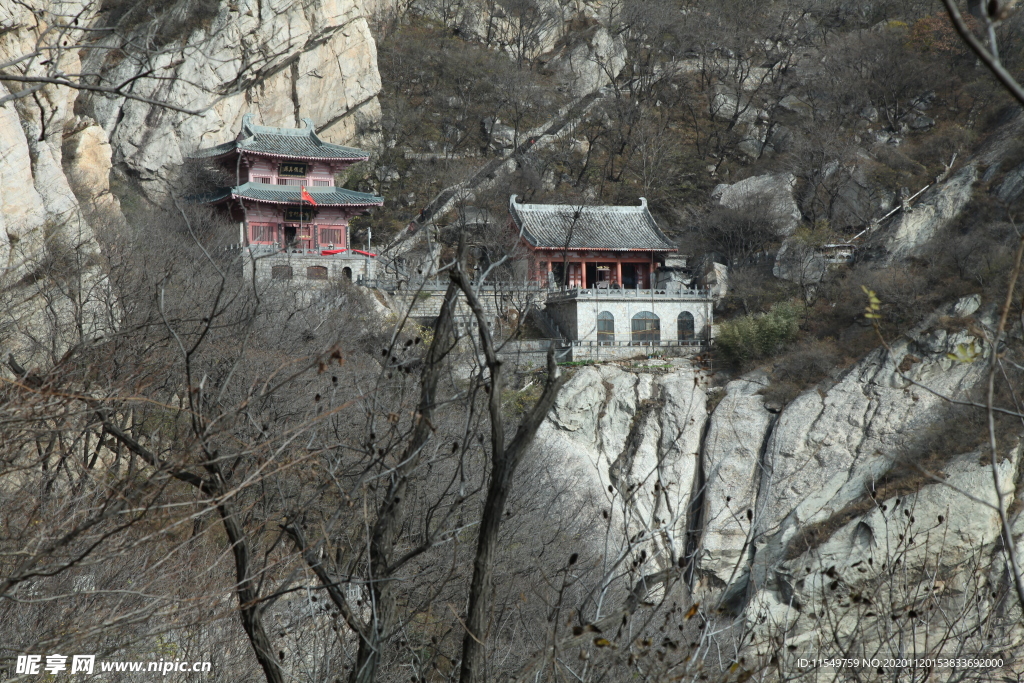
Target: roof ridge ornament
[[245, 130]]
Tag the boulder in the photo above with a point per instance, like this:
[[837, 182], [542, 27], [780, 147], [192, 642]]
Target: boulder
[[590, 62], [857, 197], [799, 262], [795, 105], [727, 105], [869, 114], [499, 135], [920, 123], [768, 194], [716, 279]]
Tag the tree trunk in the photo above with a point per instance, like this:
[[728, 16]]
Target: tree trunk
[[503, 466], [248, 599]]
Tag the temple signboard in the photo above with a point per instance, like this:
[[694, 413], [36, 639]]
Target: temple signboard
[[295, 214], [292, 169]]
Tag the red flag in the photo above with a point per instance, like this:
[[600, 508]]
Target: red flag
[[306, 196]]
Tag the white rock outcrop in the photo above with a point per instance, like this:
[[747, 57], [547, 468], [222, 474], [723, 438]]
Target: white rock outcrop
[[53, 291], [633, 440], [732, 467], [927, 558], [590, 62], [282, 60], [766, 195], [940, 207], [799, 262], [827, 446], [774, 512]]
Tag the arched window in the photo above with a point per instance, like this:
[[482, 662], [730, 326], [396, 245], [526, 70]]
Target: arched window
[[605, 328], [281, 272], [347, 272], [316, 273], [646, 328], [685, 328]]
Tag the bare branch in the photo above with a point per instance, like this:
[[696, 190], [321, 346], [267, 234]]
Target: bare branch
[[990, 60]]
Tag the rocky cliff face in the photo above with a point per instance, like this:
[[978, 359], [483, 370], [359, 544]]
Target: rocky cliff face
[[635, 439], [53, 191], [571, 39], [780, 510], [282, 60]]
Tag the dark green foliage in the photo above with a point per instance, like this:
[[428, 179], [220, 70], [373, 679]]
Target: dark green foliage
[[751, 337]]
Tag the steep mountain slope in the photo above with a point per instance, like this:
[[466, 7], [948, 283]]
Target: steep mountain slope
[[768, 510]]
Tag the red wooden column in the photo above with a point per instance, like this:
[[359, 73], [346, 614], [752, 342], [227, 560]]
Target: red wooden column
[[618, 273], [583, 273]]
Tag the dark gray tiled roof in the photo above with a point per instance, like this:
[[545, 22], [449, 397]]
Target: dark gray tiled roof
[[618, 228], [301, 143], [289, 194]]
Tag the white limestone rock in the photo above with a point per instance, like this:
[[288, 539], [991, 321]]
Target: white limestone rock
[[919, 537], [1012, 185], [795, 105], [682, 418], [716, 280], [940, 207], [87, 155], [40, 216], [799, 262], [826, 446], [282, 60], [22, 213], [590, 63], [631, 442], [731, 461], [728, 104], [925, 549], [770, 195]]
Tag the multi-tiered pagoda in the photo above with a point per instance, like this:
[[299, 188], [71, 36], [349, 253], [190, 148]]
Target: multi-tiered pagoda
[[294, 219]]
